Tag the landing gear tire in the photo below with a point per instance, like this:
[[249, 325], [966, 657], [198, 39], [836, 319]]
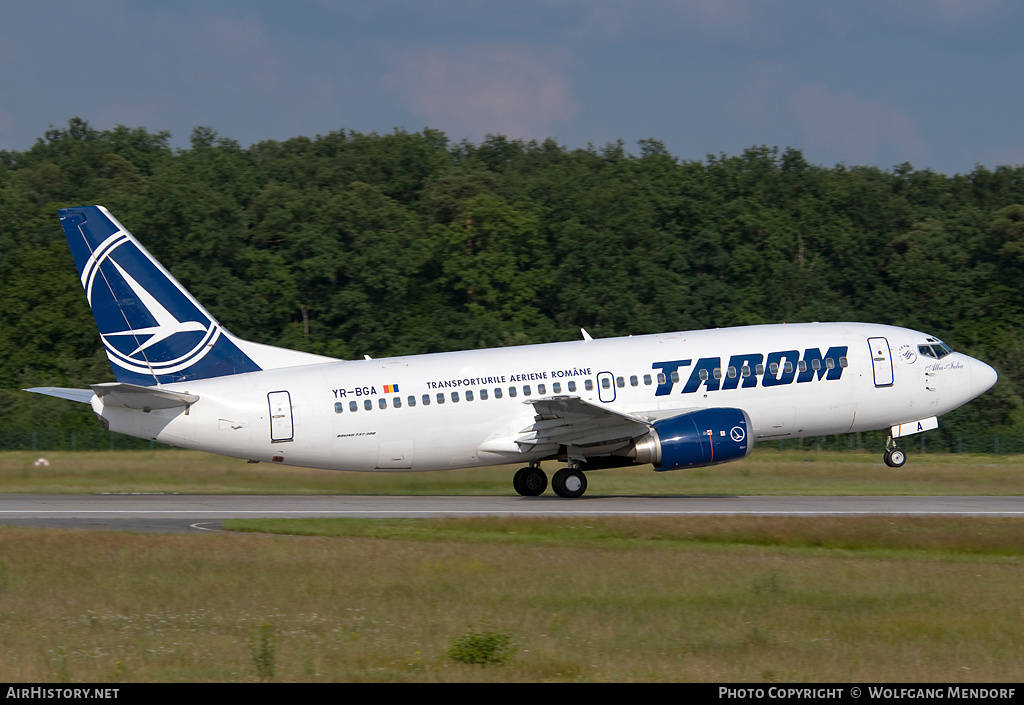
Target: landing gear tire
[[530, 481], [895, 457], [569, 483]]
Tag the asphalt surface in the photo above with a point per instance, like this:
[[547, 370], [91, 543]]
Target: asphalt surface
[[169, 512]]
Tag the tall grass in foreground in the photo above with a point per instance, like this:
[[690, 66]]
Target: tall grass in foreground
[[766, 472], [582, 600]]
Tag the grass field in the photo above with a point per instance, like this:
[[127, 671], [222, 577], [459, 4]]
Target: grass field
[[766, 472], [721, 600], [740, 599]]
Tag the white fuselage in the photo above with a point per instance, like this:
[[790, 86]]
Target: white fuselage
[[466, 409]]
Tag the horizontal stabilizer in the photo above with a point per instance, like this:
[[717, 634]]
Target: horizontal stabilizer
[[82, 395], [132, 396]]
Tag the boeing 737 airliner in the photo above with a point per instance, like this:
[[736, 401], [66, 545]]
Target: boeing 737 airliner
[[674, 400]]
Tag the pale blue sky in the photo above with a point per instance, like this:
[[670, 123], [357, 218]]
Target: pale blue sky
[[937, 83]]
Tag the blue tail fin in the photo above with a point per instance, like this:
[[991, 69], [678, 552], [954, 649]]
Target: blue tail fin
[[153, 330]]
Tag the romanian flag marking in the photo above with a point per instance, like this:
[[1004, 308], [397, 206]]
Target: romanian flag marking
[[391, 389]]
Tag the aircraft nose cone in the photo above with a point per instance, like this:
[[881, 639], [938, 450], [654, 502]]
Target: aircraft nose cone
[[982, 377]]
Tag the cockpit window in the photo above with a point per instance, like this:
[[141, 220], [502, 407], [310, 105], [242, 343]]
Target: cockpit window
[[937, 349]]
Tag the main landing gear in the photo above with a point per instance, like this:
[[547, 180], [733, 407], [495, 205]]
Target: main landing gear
[[894, 456], [569, 482], [530, 481]]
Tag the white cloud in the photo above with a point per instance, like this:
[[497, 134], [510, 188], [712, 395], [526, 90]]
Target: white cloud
[[944, 15], [221, 53], [856, 129], [732, 22], [508, 90]]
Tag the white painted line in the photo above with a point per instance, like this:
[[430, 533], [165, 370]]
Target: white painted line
[[593, 512]]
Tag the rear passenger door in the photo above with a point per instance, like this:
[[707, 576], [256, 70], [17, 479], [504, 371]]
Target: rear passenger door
[[281, 421]]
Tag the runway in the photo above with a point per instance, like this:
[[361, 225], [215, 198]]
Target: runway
[[169, 512]]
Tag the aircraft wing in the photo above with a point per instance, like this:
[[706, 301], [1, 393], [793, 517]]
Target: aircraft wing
[[571, 421]]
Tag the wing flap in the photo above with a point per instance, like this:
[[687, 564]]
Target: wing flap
[[571, 421]]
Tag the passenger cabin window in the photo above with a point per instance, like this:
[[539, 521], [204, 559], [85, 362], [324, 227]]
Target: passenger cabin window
[[368, 405], [572, 386], [497, 392], [662, 379], [556, 387], [339, 407], [397, 402], [411, 400], [382, 403], [620, 382], [469, 395], [426, 400], [526, 390], [647, 380], [588, 384], [483, 395], [352, 406], [455, 397], [541, 389], [512, 391], [440, 397], [634, 381], [606, 383]]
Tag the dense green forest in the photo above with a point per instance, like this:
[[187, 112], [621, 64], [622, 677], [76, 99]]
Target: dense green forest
[[349, 244]]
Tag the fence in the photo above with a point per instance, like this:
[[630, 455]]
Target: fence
[[929, 442], [72, 439]]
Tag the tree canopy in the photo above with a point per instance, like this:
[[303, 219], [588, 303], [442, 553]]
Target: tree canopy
[[384, 244]]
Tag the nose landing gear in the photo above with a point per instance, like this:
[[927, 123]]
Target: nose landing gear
[[894, 456]]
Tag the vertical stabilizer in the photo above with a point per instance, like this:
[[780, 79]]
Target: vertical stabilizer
[[154, 332]]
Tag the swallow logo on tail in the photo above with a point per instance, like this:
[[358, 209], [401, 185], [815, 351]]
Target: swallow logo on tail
[[153, 330]]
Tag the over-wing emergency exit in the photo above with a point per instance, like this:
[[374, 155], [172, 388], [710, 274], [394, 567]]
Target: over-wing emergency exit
[[672, 400]]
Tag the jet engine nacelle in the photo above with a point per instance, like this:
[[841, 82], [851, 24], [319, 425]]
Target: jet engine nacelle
[[705, 437]]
